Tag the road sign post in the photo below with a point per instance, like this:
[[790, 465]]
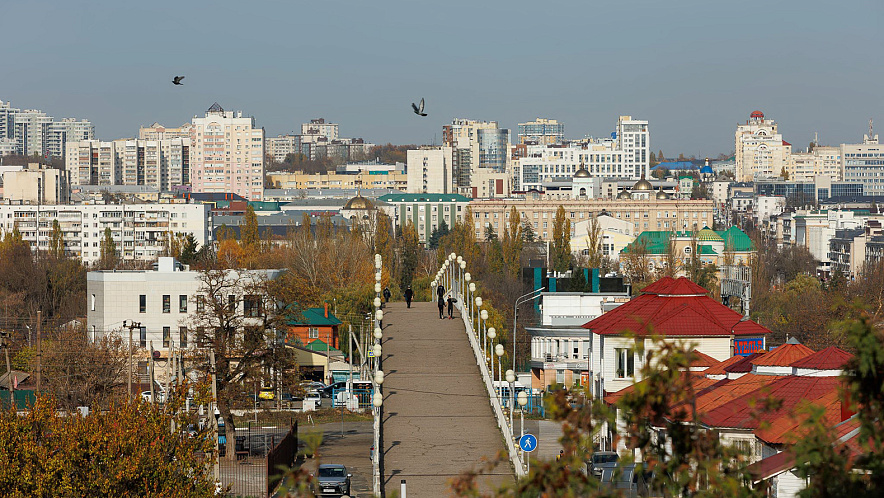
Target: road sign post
[[528, 443]]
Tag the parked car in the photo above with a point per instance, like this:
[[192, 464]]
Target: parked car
[[312, 385], [627, 479], [333, 480], [598, 459]]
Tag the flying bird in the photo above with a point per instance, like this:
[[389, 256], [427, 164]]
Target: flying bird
[[419, 109], [177, 80]]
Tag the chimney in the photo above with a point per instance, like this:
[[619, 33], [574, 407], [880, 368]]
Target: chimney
[[326, 309]]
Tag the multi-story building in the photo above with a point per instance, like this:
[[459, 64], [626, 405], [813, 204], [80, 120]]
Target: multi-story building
[[864, 163], [624, 156], [227, 154], [168, 302], [429, 170], [141, 231], [32, 132], [393, 180], [488, 147], [821, 161], [761, 151], [280, 146], [161, 164], [541, 131], [426, 211], [319, 128], [645, 214], [157, 131], [36, 185]]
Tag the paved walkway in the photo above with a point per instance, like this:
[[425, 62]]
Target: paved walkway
[[438, 421]]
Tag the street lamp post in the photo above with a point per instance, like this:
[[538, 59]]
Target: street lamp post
[[511, 380], [498, 350], [483, 314], [523, 400], [478, 302], [492, 334], [522, 299]]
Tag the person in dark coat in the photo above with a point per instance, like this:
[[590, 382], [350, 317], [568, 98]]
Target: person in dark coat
[[451, 302], [441, 307], [440, 292], [387, 294], [409, 295]]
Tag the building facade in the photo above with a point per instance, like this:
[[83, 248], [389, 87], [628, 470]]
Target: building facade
[[426, 211], [227, 154], [32, 132], [160, 164], [864, 163], [541, 131], [430, 170], [761, 151], [141, 232], [36, 185]]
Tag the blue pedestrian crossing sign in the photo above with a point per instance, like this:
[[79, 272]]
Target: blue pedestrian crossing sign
[[528, 442]]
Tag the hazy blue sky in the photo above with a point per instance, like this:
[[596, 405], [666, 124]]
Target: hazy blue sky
[[693, 68]]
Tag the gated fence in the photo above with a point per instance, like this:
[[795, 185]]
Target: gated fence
[[249, 472], [281, 458]]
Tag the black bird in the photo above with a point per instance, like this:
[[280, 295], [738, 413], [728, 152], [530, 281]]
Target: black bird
[[177, 80], [419, 109]]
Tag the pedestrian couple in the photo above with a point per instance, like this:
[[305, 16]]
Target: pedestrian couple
[[440, 293]]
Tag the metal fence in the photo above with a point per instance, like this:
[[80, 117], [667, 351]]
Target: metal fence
[[245, 472], [281, 458], [361, 398]]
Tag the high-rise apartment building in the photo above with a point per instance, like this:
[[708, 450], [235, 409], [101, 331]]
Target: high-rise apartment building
[[864, 163], [32, 132], [319, 128], [429, 170], [227, 154], [488, 147], [541, 132], [822, 161], [157, 131], [160, 164], [761, 151]]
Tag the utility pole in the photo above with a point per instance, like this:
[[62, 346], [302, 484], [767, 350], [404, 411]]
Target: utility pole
[[130, 326], [216, 471], [39, 350], [153, 398]]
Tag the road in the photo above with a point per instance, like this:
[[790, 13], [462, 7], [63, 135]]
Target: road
[[438, 421]]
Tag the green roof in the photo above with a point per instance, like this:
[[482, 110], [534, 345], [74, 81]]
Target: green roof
[[423, 198], [316, 316], [736, 240], [319, 345]]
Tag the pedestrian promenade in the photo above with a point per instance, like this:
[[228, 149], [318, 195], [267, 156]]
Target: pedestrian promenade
[[438, 421]]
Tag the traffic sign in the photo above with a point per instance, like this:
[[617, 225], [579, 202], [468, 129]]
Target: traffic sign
[[370, 354], [528, 442]]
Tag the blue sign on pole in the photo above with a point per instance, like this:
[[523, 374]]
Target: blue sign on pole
[[528, 442]]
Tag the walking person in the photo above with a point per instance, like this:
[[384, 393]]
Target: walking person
[[409, 295], [387, 294], [441, 307], [440, 292], [451, 302]]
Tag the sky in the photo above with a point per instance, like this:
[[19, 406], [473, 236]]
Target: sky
[[693, 68]]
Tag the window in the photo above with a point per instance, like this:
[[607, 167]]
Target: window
[[167, 303], [142, 336], [313, 333], [142, 303], [200, 304], [182, 304], [231, 302], [251, 306], [92, 303], [167, 336], [625, 363], [182, 336]]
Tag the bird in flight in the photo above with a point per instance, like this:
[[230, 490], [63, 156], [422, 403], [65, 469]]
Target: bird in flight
[[419, 109], [177, 80]]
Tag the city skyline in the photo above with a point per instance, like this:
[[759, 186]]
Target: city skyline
[[361, 66]]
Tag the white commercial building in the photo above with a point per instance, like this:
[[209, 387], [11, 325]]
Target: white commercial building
[[227, 154], [140, 231], [319, 128], [822, 161], [429, 170], [166, 302], [761, 151], [624, 155], [864, 163]]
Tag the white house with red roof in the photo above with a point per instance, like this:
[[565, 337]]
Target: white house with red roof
[[680, 311]]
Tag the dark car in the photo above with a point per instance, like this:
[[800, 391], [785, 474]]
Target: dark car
[[599, 460], [333, 479]]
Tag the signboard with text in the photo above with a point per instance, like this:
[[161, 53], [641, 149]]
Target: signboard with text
[[748, 345]]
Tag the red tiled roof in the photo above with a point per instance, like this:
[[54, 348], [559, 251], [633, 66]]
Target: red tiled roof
[[702, 359], [783, 356], [786, 143], [743, 412], [699, 383], [831, 358], [721, 367], [787, 428], [734, 364], [771, 466], [728, 390], [674, 307]]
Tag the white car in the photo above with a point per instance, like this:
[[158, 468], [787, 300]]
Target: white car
[[161, 396]]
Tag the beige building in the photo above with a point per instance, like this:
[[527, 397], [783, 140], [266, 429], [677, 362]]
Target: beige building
[[36, 185], [227, 154], [822, 161], [161, 164], [761, 151], [362, 180], [644, 214], [487, 184], [157, 131], [430, 171], [615, 234]]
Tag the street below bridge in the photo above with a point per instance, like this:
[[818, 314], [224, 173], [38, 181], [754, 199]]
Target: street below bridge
[[438, 421]]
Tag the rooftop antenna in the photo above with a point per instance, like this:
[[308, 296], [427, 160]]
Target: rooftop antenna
[[870, 128]]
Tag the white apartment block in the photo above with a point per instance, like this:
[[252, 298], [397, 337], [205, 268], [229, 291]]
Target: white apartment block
[[319, 128], [227, 154], [761, 151], [140, 231], [32, 132], [280, 146], [161, 164], [864, 163], [166, 302], [819, 162], [429, 170], [35, 185]]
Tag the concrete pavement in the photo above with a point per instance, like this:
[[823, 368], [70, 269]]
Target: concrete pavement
[[438, 420]]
